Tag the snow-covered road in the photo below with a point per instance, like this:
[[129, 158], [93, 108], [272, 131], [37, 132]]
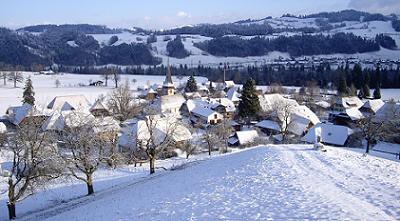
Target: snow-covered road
[[268, 183]]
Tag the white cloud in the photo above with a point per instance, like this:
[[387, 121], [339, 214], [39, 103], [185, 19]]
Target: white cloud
[[183, 14], [381, 6]]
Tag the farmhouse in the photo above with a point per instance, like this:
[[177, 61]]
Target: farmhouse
[[205, 116]]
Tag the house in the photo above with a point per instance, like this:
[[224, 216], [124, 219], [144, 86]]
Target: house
[[149, 94], [203, 90], [190, 104], [346, 118], [328, 134], [233, 95], [49, 72], [242, 138], [269, 102], [98, 109], [25, 113], [343, 103], [137, 132], [371, 107], [223, 106], [96, 83], [205, 116], [269, 127], [69, 102]]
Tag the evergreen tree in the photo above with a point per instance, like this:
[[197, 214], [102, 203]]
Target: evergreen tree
[[191, 85], [352, 90], [211, 88], [342, 88], [366, 91], [357, 76], [377, 92], [28, 94], [249, 105]]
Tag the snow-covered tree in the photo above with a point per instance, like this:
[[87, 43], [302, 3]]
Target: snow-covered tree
[[191, 85], [34, 162], [249, 105], [28, 94]]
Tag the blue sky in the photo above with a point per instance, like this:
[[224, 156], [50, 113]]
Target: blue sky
[[168, 13]]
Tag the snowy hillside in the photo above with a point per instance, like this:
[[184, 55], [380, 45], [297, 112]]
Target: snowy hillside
[[287, 182], [364, 29]]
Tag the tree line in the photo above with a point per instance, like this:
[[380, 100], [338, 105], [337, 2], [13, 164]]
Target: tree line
[[297, 45]]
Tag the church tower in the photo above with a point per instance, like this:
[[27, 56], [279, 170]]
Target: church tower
[[168, 86]]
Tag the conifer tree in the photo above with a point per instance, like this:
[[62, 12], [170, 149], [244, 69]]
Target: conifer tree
[[191, 85], [342, 88], [377, 92], [249, 106], [366, 91], [28, 94], [211, 88]]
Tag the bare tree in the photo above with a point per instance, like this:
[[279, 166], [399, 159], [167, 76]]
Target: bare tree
[[121, 102], [190, 148], [276, 88], [155, 134], [4, 76], [223, 131], [106, 75], [115, 76], [371, 130], [15, 77], [84, 149], [210, 139], [282, 113], [34, 162]]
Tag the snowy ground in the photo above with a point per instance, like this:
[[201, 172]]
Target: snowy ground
[[287, 182]]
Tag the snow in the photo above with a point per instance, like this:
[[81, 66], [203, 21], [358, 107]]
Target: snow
[[285, 182], [328, 133], [246, 137], [3, 128], [268, 124]]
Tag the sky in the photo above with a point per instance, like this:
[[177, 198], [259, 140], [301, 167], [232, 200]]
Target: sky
[[159, 14]]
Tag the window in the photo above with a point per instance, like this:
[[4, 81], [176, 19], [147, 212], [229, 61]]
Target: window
[[215, 116]]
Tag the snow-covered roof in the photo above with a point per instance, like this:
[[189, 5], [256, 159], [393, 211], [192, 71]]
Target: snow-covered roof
[[373, 105], [3, 128], [388, 111], [354, 113], [203, 111], [192, 103], [77, 102], [269, 101], [351, 102], [98, 105], [106, 124], [246, 137], [162, 126], [305, 112], [228, 104], [18, 113], [172, 100], [233, 95], [268, 124], [229, 84], [329, 134], [323, 104], [59, 119]]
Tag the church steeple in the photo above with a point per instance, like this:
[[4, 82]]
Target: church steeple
[[168, 86]]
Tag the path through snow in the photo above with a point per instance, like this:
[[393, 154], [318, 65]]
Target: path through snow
[[277, 182]]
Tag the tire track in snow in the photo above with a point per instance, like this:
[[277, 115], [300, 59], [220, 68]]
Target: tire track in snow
[[315, 178]]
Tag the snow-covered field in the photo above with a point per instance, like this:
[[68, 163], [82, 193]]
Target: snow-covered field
[[285, 182]]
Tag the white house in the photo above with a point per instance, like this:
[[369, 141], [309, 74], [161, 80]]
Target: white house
[[169, 104], [328, 134], [371, 106], [16, 115], [205, 116]]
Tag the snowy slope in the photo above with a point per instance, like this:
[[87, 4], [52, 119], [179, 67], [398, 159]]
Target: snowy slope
[[291, 182]]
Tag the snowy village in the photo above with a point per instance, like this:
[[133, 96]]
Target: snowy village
[[199, 110]]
